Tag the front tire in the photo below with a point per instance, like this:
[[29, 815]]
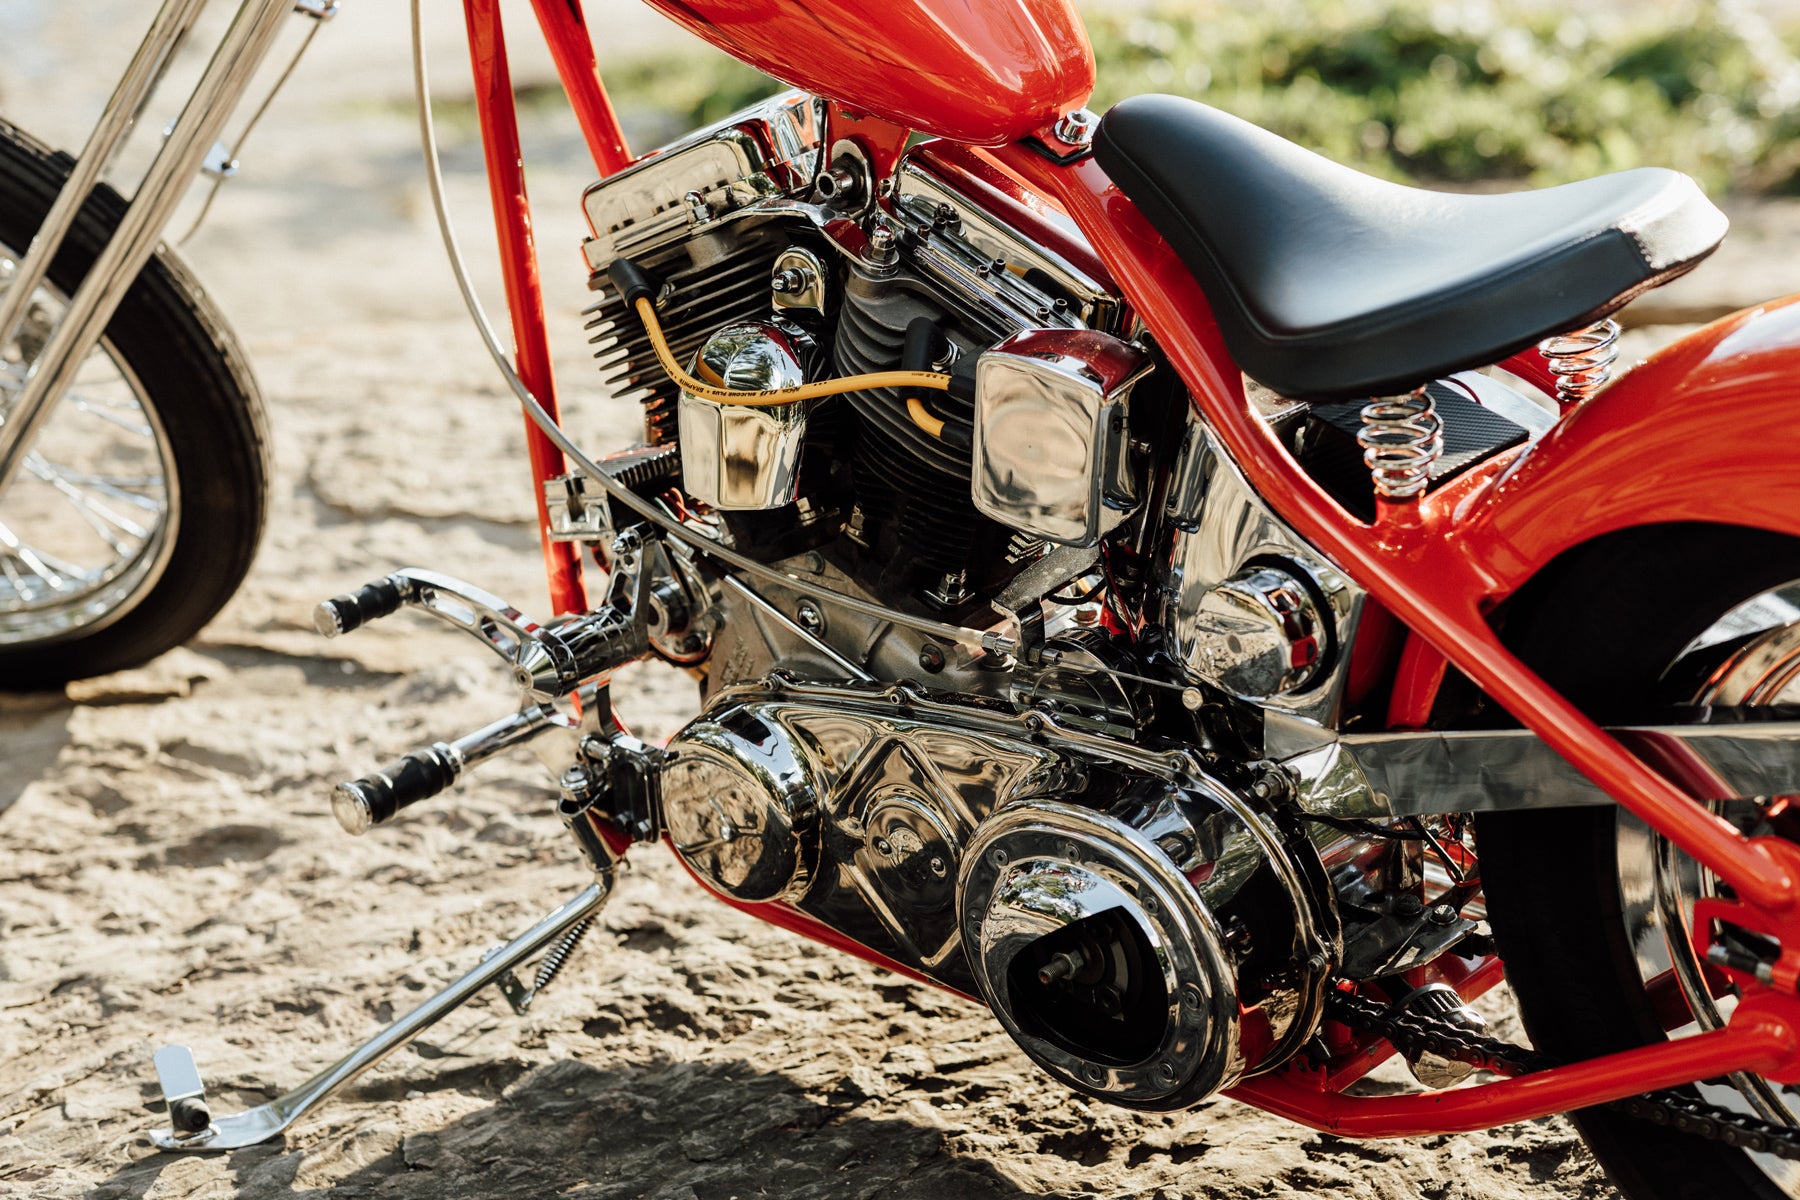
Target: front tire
[[1604, 625], [141, 505]]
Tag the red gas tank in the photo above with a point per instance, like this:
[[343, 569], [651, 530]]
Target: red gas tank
[[984, 73]]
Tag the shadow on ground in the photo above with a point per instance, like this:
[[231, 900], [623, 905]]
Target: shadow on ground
[[579, 1132]]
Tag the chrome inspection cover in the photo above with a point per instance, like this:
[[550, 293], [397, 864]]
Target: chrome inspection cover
[[738, 802], [1111, 944]]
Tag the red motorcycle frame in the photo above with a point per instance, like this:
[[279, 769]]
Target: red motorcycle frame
[[1439, 565]]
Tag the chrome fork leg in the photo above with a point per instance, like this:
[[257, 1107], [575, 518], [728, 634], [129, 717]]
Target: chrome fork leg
[[181, 1080], [246, 43], [166, 33]]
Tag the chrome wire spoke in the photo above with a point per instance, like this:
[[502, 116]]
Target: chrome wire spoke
[[38, 563], [117, 486], [90, 520], [111, 412], [105, 523], [71, 483]]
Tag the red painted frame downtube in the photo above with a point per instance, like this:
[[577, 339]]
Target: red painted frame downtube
[[566, 33], [519, 269], [1760, 1038]]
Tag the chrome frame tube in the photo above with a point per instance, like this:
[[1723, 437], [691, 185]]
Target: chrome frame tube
[[222, 85], [269, 1120], [122, 110]]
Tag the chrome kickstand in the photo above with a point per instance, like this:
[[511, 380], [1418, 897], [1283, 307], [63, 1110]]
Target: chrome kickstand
[[180, 1078]]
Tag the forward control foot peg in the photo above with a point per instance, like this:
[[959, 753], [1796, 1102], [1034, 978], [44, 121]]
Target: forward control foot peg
[[364, 803], [547, 661]]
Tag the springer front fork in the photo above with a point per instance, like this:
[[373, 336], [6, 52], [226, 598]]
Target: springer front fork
[[184, 151], [607, 781]]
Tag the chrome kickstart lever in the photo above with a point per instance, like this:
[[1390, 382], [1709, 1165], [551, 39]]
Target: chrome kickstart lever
[[194, 1128]]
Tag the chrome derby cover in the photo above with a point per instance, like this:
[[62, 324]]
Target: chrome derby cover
[[1150, 955]]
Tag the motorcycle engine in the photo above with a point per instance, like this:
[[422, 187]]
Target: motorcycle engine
[[723, 221], [1148, 930]]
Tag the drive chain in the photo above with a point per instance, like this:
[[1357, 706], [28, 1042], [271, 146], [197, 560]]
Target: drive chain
[[1416, 1033]]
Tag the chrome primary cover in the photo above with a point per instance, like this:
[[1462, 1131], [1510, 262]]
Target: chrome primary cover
[[1149, 955], [865, 807], [852, 803]]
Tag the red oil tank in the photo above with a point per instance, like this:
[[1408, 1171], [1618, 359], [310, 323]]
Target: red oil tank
[[982, 73]]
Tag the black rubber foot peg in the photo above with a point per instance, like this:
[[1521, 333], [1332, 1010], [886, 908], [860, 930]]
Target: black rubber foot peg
[[341, 614], [190, 1115], [364, 803]]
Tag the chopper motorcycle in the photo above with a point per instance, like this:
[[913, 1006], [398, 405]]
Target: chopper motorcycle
[[1214, 608]]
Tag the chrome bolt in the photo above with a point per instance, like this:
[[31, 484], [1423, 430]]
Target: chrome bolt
[[1191, 699], [1076, 128], [1062, 966], [1441, 914], [1165, 1072], [698, 209], [938, 866], [997, 856], [839, 183], [790, 279], [811, 617]]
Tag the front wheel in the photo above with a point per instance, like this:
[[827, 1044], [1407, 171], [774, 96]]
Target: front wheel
[[138, 506], [1589, 905]]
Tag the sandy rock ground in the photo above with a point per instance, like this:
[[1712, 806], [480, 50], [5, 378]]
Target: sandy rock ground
[[169, 869]]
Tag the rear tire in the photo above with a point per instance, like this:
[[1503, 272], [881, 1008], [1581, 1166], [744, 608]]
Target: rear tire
[[207, 421], [1601, 625]]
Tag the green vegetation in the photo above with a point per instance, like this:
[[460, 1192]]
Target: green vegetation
[[1463, 92]]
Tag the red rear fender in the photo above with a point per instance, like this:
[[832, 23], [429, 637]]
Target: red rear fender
[[1707, 429]]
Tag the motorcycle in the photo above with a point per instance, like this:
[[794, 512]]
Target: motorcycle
[[1211, 607]]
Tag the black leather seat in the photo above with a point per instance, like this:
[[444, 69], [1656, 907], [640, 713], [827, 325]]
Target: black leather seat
[[1329, 284]]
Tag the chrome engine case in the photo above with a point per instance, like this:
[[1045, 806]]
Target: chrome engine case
[[858, 805]]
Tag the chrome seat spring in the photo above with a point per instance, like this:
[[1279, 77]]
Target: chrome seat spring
[[1402, 439], [1581, 360]]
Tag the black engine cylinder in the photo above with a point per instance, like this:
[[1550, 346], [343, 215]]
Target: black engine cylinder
[[913, 488]]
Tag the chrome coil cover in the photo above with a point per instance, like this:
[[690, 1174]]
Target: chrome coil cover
[[739, 806], [1130, 952]]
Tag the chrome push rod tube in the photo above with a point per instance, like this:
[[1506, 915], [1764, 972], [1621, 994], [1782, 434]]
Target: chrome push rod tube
[[166, 33], [227, 76], [269, 1120]]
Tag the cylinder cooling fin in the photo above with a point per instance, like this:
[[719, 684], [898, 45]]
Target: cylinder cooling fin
[[911, 485]]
